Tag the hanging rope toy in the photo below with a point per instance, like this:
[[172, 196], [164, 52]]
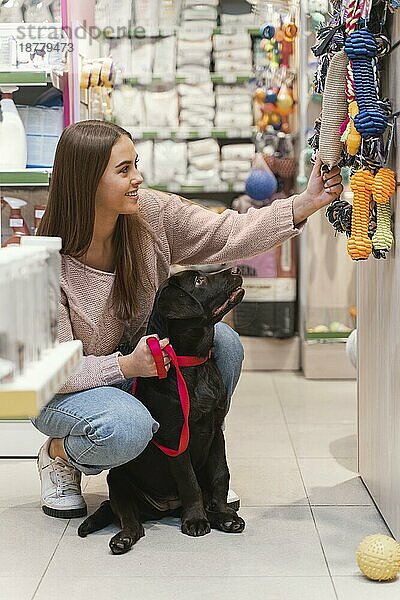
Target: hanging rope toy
[[361, 50], [334, 110], [383, 188], [359, 245], [384, 185]]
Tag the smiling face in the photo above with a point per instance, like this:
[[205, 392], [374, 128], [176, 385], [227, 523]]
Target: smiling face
[[117, 192]]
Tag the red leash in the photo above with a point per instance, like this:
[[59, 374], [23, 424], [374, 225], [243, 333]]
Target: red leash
[[177, 361]]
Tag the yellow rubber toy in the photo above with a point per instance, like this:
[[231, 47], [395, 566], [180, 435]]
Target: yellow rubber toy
[[359, 245], [354, 138]]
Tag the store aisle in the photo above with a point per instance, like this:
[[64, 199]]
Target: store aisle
[[292, 454]]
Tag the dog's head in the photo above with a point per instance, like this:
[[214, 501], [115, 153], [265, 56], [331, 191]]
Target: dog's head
[[193, 299]]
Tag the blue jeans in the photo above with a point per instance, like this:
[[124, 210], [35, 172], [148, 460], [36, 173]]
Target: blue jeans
[[105, 427]]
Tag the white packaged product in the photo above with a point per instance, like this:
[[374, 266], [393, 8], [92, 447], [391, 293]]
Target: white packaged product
[[204, 163], [121, 53], [234, 54], [145, 15], [203, 147], [128, 106], [225, 120], [142, 57], [199, 12], [197, 90], [144, 148], [168, 14], [238, 152], [165, 56], [230, 66], [161, 108], [170, 161], [235, 165], [227, 42]]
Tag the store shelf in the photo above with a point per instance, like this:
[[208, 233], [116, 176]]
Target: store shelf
[[28, 393], [30, 177], [327, 335], [139, 32], [181, 133], [24, 78], [199, 189], [216, 78]]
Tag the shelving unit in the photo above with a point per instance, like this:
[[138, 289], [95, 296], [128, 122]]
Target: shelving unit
[[28, 177], [28, 393], [181, 133]]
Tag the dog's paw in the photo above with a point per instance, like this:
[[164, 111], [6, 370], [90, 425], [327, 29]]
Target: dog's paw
[[86, 527], [196, 526], [230, 522], [125, 539]]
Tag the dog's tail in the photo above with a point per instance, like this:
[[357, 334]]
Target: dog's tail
[[98, 520]]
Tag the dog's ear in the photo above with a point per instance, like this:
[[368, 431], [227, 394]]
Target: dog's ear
[[174, 303]]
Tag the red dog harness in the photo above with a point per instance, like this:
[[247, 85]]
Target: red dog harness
[[177, 361]]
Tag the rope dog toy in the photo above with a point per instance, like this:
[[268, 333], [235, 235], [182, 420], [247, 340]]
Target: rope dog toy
[[383, 237], [361, 49], [384, 185], [359, 245], [334, 110]]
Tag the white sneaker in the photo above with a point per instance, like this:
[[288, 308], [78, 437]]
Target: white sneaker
[[233, 500], [61, 494]]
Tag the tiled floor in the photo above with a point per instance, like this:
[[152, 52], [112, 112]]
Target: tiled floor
[[292, 455]]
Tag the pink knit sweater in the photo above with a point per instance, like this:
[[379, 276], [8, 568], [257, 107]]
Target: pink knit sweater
[[186, 234]]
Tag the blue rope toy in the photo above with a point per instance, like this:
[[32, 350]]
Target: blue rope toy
[[361, 49]]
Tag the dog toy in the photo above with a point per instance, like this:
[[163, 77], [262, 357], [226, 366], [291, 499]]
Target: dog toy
[[359, 245], [378, 557], [384, 185], [383, 188], [261, 184], [334, 110], [353, 140], [382, 240], [361, 49]]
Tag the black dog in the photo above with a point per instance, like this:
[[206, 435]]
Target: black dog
[[193, 485]]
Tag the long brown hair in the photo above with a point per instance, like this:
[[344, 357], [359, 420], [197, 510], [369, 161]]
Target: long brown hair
[[81, 158]]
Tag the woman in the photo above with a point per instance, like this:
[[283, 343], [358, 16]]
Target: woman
[[118, 245]]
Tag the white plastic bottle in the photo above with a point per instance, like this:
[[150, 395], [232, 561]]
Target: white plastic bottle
[[13, 146]]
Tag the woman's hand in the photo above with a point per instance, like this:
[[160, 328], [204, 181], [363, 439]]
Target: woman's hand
[[321, 190], [140, 362]]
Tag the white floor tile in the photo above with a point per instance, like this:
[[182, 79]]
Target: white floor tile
[[359, 587], [255, 388], [18, 587], [316, 402], [195, 588], [259, 440], [28, 540], [23, 488], [294, 385], [333, 481], [267, 482], [324, 440], [341, 529], [277, 541]]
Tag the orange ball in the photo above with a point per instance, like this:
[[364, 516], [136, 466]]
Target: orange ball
[[268, 107]]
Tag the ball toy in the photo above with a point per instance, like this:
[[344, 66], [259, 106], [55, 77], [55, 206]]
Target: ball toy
[[378, 557], [267, 31], [261, 184], [268, 107], [271, 96]]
